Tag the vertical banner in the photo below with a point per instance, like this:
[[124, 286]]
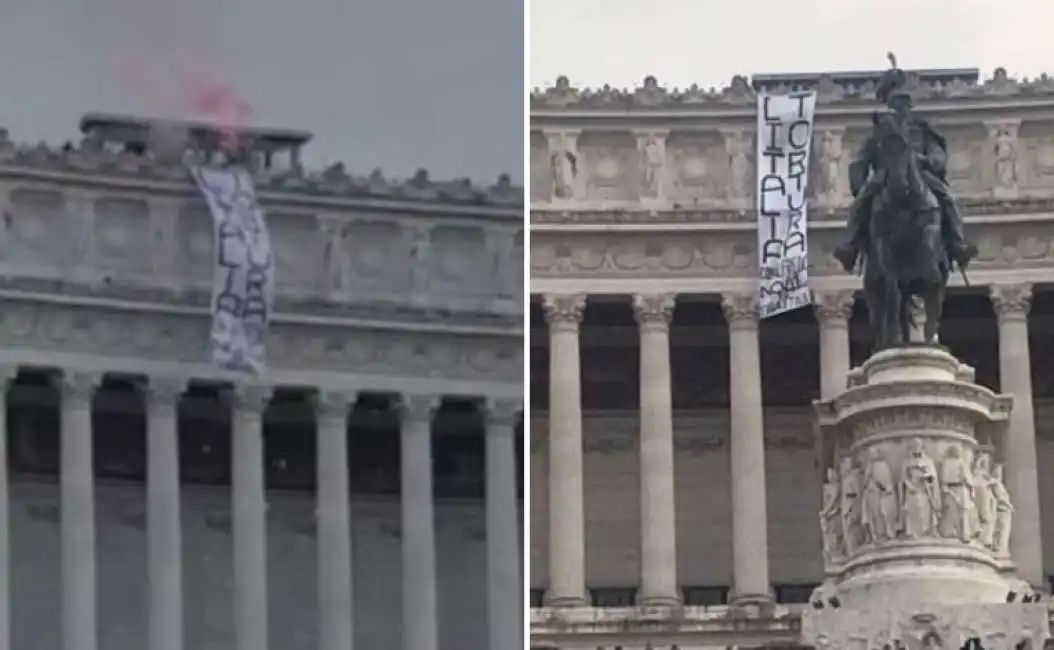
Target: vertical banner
[[243, 276], [785, 125]]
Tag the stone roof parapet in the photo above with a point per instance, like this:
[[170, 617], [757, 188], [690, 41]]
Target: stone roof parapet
[[832, 88]]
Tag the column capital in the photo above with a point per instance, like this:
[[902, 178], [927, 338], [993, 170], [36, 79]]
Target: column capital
[[418, 409], [8, 372], [564, 311], [833, 307], [163, 391], [1011, 300], [252, 398], [501, 414], [78, 386], [741, 310], [654, 310], [333, 404]]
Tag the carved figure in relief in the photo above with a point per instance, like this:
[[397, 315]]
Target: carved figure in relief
[[957, 484], [831, 520], [832, 164], [739, 165], [1005, 157], [850, 504], [879, 516], [564, 163], [984, 500], [653, 157], [920, 494], [1004, 513]]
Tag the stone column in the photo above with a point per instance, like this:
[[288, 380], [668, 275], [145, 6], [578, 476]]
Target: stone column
[[750, 561], [567, 554], [833, 310], [420, 618], [335, 603], [7, 374], [504, 614], [249, 520], [163, 528], [657, 513], [79, 624], [1011, 304]]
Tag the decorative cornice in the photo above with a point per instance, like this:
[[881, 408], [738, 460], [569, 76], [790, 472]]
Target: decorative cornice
[[651, 95], [544, 214], [84, 165]]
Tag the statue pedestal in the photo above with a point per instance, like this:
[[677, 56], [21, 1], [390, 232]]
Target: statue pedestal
[[916, 520]]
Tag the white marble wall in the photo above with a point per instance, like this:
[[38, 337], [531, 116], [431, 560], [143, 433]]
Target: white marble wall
[[703, 499], [207, 564]]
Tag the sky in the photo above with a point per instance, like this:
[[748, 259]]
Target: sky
[[395, 84], [681, 42]]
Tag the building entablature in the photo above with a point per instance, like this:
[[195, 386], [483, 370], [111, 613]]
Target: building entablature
[[636, 154], [140, 243], [691, 259]]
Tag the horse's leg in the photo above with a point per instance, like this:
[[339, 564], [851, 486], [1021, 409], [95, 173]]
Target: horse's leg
[[907, 320], [894, 309], [934, 309]]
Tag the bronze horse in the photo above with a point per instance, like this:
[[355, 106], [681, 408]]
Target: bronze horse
[[905, 255]]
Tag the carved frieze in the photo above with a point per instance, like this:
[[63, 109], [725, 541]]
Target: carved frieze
[[182, 338], [733, 254]]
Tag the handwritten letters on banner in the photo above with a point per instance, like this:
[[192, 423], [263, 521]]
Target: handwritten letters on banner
[[243, 280], [785, 126]]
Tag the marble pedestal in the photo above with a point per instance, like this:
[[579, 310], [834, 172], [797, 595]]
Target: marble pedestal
[[916, 519]]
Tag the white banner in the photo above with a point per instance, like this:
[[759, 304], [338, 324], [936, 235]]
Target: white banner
[[784, 142], [243, 280]]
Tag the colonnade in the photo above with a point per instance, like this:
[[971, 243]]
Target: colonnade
[[750, 583], [248, 503]]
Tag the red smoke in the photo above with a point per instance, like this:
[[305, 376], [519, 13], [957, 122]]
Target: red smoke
[[171, 65]]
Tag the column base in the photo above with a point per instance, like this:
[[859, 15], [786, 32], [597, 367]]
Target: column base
[[566, 602], [752, 604], [666, 602]]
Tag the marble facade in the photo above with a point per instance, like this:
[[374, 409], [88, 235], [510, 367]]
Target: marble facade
[[640, 204], [406, 289]]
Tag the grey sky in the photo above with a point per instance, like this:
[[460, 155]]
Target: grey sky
[[397, 84], [681, 42]]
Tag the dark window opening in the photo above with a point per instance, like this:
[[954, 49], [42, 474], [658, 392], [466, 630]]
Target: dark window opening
[[33, 425], [537, 598], [290, 439], [613, 596], [794, 593], [373, 446], [204, 425], [119, 430], [705, 596], [458, 450]]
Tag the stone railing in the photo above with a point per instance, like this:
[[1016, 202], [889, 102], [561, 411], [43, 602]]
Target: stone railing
[[642, 155], [121, 237]]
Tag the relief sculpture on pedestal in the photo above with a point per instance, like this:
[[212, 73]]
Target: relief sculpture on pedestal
[[831, 520], [957, 483], [880, 500], [921, 494]]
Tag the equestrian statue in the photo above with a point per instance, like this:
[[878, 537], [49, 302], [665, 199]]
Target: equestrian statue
[[904, 225]]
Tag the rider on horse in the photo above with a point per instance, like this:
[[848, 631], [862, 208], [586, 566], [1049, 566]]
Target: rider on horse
[[932, 152]]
